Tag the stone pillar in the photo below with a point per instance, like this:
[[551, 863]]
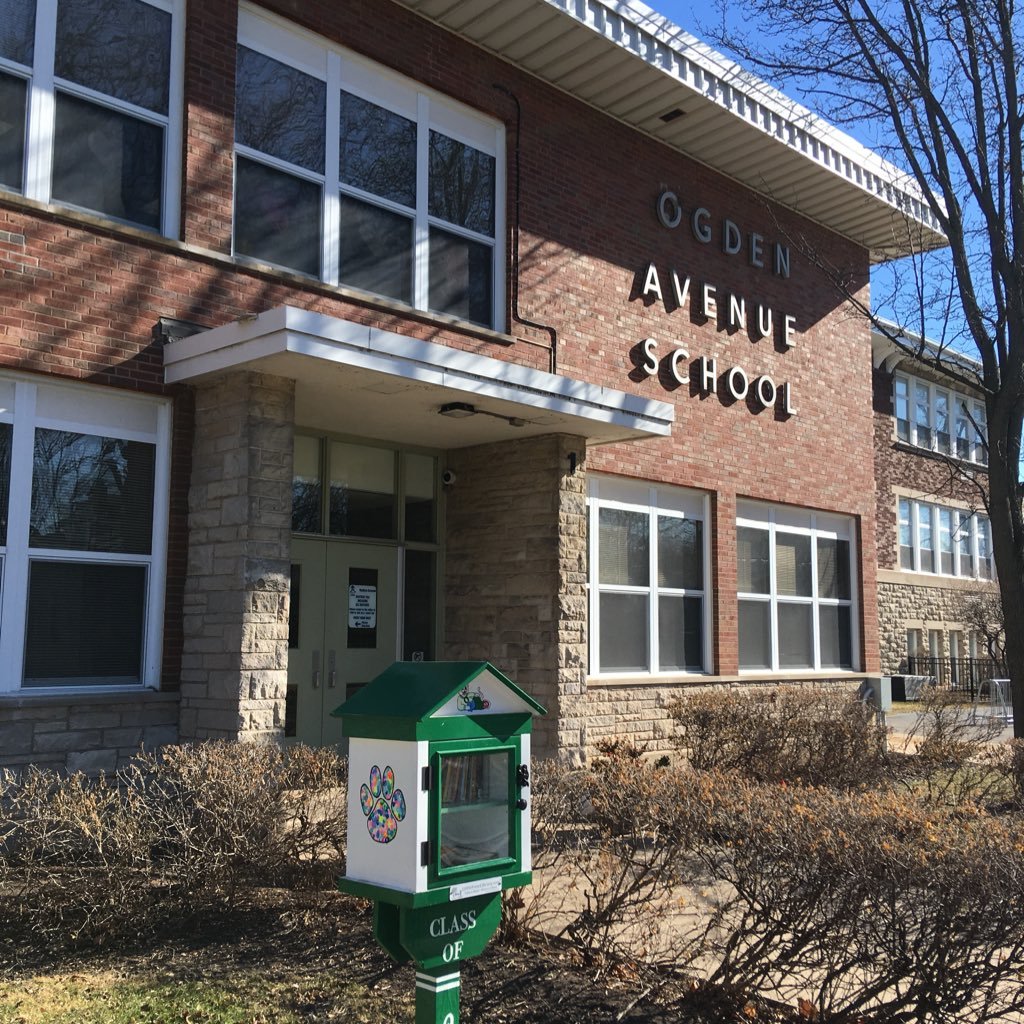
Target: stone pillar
[[235, 654], [516, 574]]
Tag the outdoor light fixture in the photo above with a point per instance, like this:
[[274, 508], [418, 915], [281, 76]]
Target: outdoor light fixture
[[462, 410], [457, 410]]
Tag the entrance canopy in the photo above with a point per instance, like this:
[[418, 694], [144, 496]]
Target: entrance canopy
[[351, 378]]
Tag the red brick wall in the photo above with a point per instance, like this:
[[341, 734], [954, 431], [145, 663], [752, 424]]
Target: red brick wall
[[79, 298], [901, 465]]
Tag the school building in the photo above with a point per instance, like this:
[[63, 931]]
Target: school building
[[332, 335]]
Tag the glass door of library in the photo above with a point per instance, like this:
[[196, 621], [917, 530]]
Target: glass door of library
[[343, 630]]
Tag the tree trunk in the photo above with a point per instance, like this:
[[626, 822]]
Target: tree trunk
[[1007, 521]]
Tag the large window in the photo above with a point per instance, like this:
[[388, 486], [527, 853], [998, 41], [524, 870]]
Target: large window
[[933, 417], [350, 173], [89, 91], [83, 492], [795, 582], [946, 541], [648, 573]]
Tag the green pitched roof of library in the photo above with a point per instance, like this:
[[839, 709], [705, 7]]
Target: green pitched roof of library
[[438, 700]]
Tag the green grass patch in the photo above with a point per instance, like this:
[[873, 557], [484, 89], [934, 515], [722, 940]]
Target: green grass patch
[[247, 998], [900, 707]]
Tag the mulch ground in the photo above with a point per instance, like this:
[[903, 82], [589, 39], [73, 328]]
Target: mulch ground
[[303, 935]]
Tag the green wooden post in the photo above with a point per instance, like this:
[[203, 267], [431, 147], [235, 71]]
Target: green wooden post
[[437, 995]]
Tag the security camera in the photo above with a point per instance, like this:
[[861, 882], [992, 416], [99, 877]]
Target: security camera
[[448, 478]]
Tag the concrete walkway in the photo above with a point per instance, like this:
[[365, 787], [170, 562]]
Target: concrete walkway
[[909, 723]]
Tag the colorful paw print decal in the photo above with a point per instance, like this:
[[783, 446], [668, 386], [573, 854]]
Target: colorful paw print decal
[[383, 805]]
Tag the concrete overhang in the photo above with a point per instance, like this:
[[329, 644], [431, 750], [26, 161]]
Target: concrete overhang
[[355, 379], [634, 64]]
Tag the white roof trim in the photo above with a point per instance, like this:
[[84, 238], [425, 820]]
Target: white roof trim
[[726, 83], [735, 122]]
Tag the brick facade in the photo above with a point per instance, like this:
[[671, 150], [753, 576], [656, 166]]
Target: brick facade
[[81, 295], [907, 600]]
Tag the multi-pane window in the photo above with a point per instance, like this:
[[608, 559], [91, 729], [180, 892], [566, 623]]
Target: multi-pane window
[[940, 420], [350, 173], [90, 94], [794, 581], [84, 525], [950, 542], [648, 557], [371, 491]]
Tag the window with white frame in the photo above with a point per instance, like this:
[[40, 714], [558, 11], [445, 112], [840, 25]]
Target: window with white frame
[[945, 541], [353, 174], [84, 497], [89, 91], [795, 583], [648, 572], [933, 417], [915, 643]]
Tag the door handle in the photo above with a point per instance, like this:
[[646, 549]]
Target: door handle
[[316, 670], [332, 675]]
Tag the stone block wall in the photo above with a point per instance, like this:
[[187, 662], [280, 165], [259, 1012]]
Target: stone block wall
[[638, 712], [235, 660], [516, 573], [903, 606], [84, 732]]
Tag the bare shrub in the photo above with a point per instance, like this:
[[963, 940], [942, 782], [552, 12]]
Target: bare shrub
[[866, 903], [95, 859], [862, 904], [606, 863], [1015, 768], [74, 855], [240, 813], [949, 756], [817, 736]]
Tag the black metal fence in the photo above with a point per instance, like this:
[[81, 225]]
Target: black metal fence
[[966, 674]]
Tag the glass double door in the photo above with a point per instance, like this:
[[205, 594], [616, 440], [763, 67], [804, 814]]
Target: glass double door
[[343, 630]]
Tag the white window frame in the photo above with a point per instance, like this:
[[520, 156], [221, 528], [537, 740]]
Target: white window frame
[[29, 404], [956, 419], [926, 519], [653, 501], [915, 642], [341, 69], [775, 520], [41, 114]]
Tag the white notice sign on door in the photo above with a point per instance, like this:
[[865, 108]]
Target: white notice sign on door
[[362, 607]]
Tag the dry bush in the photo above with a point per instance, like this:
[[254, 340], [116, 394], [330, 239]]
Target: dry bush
[[229, 814], [606, 862], [1015, 769], [817, 736], [866, 903], [949, 755], [74, 856], [97, 859]]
